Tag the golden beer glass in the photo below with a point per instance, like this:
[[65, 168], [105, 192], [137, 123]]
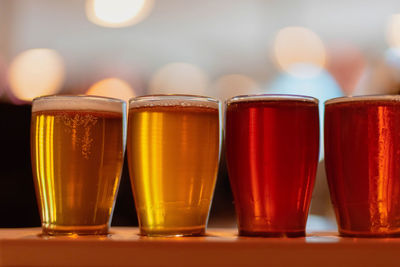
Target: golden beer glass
[[77, 150], [173, 154]]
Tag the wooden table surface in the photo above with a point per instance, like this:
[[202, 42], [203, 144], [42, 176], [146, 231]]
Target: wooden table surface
[[221, 247]]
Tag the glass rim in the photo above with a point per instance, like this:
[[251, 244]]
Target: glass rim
[[167, 100], [78, 102], [161, 97], [348, 99], [66, 97], [273, 97]]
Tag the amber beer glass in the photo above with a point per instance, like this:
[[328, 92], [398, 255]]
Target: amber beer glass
[[173, 153], [362, 160], [77, 150], [272, 145]]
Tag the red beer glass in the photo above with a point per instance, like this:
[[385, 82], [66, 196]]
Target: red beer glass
[[272, 146], [362, 159]]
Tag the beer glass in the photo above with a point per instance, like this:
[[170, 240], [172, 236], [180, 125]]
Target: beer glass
[[173, 152], [362, 156], [272, 146], [77, 150]]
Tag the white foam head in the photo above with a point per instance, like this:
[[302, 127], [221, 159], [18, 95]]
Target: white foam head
[[173, 100], [271, 97], [347, 99], [95, 103]]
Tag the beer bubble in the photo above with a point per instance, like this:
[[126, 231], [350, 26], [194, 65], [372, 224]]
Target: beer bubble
[[174, 100]]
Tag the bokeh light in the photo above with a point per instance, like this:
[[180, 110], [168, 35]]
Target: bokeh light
[[112, 87], [231, 85], [393, 31], [380, 77], [322, 87], [347, 64], [117, 13], [296, 48], [179, 78], [36, 72], [392, 57]]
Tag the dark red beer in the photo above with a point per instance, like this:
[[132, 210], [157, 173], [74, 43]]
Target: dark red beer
[[362, 159], [272, 145]]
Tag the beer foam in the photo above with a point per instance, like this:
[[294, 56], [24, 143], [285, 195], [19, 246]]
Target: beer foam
[[173, 101], [271, 97], [94, 103], [348, 99]]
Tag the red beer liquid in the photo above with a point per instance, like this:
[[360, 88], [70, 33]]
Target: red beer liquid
[[272, 154], [362, 159]]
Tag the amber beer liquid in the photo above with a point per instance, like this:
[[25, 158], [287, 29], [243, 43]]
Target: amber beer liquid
[[362, 160], [272, 145], [77, 150], [173, 153]]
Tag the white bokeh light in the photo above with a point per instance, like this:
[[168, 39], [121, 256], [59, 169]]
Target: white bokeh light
[[179, 78], [117, 13], [393, 31], [298, 48]]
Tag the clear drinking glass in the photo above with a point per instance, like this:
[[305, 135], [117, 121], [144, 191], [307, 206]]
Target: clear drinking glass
[[362, 155], [77, 150], [173, 153], [272, 146]]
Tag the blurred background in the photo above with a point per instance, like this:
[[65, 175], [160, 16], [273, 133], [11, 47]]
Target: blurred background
[[219, 48]]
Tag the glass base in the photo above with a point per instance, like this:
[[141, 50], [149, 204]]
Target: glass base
[[172, 232], [272, 234], [347, 233], [56, 230]]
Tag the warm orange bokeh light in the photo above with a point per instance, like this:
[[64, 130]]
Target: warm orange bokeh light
[[179, 78], [117, 13], [112, 87], [298, 46], [36, 72]]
